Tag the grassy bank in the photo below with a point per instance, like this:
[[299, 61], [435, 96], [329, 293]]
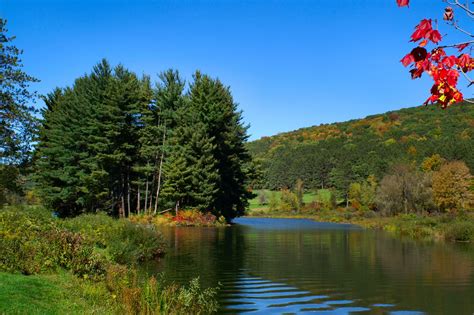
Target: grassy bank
[[60, 293], [86, 265]]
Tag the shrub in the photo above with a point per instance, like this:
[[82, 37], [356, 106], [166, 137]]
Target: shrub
[[135, 242], [194, 218], [153, 296], [274, 203], [311, 207], [326, 198], [460, 231], [98, 228], [31, 243], [184, 218], [191, 299], [126, 242], [289, 201]]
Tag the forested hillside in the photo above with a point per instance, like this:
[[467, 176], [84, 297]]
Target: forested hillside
[[335, 155]]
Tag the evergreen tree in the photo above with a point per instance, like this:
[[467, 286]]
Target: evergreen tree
[[191, 176], [89, 142], [211, 103]]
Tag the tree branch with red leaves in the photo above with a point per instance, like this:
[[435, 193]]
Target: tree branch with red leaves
[[443, 68]]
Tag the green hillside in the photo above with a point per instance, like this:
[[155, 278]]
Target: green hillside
[[353, 150]]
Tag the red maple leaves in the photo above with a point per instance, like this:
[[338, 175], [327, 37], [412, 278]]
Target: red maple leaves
[[403, 3], [425, 30], [443, 69]]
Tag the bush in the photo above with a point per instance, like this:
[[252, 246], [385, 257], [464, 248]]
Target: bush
[[99, 228], [126, 242], [194, 218], [326, 198], [134, 243], [274, 203], [460, 231], [288, 201], [184, 218], [31, 243], [189, 299], [157, 297]]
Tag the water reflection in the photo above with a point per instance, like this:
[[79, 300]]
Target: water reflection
[[297, 266]]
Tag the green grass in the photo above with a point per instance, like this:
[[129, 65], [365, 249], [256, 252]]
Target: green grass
[[47, 294], [308, 197]]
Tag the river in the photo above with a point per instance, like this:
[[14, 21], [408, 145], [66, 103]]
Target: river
[[279, 266]]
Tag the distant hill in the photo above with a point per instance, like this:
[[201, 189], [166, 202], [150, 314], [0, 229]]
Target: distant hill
[[367, 146]]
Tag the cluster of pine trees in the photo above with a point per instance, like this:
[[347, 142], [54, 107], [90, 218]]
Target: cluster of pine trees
[[114, 141]]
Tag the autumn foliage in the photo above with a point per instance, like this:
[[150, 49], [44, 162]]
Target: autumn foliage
[[451, 187], [443, 67]]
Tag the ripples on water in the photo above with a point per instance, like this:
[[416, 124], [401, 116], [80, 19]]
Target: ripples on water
[[275, 266], [256, 295]]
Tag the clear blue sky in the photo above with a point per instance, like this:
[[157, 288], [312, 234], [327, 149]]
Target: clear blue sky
[[290, 64]]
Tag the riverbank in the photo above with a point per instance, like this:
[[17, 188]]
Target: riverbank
[[86, 265], [436, 227]]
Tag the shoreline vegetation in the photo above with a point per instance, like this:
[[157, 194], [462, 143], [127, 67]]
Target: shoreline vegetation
[[87, 264], [181, 218], [451, 227]]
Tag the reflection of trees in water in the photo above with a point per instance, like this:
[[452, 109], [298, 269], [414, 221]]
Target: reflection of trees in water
[[438, 275], [439, 263], [367, 265], [209, 253]]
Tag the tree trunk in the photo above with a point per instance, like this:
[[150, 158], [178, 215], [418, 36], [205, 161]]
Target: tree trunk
[[122, 207], [128, 194], [138, 199], [146, 194], [151, 200], [160, 171]]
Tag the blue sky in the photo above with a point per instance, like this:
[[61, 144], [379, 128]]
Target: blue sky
[[290, 64]]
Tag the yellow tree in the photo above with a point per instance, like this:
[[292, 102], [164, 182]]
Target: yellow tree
[[451, 186], [432, 163]]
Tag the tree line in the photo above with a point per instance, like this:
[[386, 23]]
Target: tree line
[[114, 141], [363, 154]]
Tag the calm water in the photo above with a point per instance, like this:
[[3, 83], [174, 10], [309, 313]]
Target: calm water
[[278, 266]]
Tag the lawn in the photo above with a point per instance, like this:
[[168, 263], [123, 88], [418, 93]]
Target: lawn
[[308, 197], [46, 294]]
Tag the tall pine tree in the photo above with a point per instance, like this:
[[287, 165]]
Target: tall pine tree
[[211, 104]]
